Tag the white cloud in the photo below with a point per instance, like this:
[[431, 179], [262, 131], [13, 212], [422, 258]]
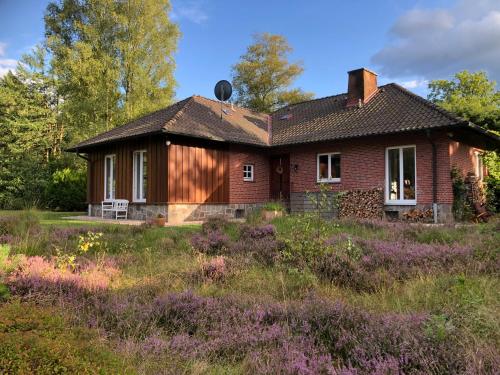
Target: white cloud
[[5, 64], [191, 10], [414, 83], [435, 43]]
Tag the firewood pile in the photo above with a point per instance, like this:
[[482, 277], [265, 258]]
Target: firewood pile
[[362, 204], [475, 190], [418, 216]]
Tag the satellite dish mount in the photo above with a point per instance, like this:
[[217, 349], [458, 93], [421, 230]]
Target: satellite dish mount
[[223, 91]]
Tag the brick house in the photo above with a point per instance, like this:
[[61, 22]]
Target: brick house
[[198, 158]]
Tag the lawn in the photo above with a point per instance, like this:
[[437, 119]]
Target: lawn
[[295, 296]]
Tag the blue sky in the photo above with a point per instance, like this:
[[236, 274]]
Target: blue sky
[[409, 42]]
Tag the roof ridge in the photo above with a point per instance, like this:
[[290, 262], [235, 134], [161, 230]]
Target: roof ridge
[[426, 102], [180, 112], [235, 105], [308, 101]]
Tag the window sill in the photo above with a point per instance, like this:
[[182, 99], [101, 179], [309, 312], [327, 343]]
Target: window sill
[[139, 202], [248, 180], [332, 181], [401, 203]]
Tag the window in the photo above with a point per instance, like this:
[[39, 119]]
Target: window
[[400, 175], [479, 166], [140, 176], [328, 167], [109, 177], [248, 172]]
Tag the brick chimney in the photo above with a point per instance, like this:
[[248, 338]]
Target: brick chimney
[[362, 86]]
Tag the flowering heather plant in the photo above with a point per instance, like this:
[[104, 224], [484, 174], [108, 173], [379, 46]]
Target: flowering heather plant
[[37, 275], [253, 232], [215, 269], [214, 224], [8, 239], [405, 258], [266, 250], [213, 242]]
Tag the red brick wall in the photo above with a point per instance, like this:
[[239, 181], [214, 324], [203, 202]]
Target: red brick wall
[[463, 157], [363, 165], [256, 191]]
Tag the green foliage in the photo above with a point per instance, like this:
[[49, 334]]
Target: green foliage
[[114, 59], [38, 340], [461, 207], [263, 75], [67, 190], [492, 181], [273, 206], [469, 95], [102, 63]]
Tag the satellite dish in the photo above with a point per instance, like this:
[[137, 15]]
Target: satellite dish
[[223, 90]]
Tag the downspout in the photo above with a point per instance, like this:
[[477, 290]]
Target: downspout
[[434, 176]]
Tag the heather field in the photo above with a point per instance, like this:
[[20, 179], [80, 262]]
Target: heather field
[[298, 295]]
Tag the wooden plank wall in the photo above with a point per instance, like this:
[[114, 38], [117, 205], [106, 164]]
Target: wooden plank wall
[[198, 174], [157, 170]]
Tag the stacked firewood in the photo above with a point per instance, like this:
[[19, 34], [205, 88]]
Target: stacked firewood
[[363, 204], [418, 216]]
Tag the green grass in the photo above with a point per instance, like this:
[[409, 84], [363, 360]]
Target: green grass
[[38, 340]]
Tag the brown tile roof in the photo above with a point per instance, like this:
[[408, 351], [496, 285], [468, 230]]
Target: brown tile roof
[[195, 117], [393, 109]]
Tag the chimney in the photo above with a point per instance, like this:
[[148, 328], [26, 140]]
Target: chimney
[[362, 86]]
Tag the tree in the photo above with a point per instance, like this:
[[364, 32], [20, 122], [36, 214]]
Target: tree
[[474, 97], [31, 134], [471, 96], [263, 75], [114, 59]]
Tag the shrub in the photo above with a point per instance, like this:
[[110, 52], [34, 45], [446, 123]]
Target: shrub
[[214, 224], [257, 232], [36, 275], [266, 250], [274, 206], [38, 340], [66, 190], [212, 242], [215, 269]]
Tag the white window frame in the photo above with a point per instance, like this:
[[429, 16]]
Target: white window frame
[[112, 176], [251, 171], [328, 180], [138, 190], [400, 202], [479, 165]]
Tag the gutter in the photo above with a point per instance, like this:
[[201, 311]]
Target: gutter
[[434, 175]]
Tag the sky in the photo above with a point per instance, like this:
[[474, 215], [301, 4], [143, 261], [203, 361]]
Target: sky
[[404, 41]]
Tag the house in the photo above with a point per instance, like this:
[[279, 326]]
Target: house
[[199, 158]]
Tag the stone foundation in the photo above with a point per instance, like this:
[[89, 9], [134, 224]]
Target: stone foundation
[[135, 211], [300, 202], [178, 213], [444, 211]]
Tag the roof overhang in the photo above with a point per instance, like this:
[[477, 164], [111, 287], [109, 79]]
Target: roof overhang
[[476, 136]]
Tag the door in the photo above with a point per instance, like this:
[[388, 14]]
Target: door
[[280, 177]]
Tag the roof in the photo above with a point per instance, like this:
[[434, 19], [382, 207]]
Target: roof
[[393, 109], [194, 116]]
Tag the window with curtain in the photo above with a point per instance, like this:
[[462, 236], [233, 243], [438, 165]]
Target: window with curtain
[[140, 176], [400, 175], [109, 177]]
